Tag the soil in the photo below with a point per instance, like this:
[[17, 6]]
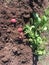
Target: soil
[[13, 50]]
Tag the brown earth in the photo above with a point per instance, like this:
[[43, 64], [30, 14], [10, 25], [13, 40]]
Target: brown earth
[[15, 51]]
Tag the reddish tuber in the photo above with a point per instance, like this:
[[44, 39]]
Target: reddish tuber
[[20, 30], [13, 20]]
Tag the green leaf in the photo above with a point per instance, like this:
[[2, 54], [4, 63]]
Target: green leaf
[[44, 18], [39, 40], [40, 52], [31, 21], [35, 15], [45, 28], [39, 20]]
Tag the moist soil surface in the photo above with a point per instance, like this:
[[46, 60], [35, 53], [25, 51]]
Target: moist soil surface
[[13, 50]]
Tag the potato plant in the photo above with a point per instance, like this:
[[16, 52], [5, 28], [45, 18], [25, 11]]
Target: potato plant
[[33, 32]]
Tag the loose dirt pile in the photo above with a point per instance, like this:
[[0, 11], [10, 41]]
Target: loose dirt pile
[[14, 51]]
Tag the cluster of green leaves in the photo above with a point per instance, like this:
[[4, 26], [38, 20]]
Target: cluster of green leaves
[[33, 33]]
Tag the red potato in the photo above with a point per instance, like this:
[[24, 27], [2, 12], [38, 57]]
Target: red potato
[[13, 20], [20, 30]]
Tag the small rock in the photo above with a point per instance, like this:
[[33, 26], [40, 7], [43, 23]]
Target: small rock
[[1, 46], [14, 50], [5, 59], [8, 30], [26, 15], [18, 53], [21, 47], [23, 61]]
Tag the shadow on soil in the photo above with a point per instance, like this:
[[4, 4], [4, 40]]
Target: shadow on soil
[[35, 59]]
